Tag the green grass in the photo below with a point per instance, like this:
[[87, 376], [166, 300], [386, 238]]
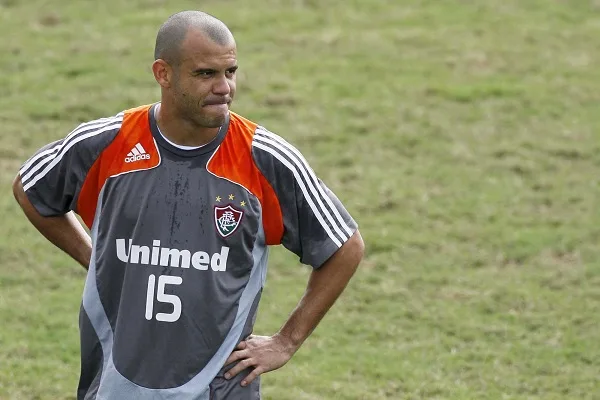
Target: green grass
[[462, 135]]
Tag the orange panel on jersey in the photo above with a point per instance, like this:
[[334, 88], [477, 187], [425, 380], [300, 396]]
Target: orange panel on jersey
[[233, 160], [132, 149]]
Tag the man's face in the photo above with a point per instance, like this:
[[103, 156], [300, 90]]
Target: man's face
[[203, 84]]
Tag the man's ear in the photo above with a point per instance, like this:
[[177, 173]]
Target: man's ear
[[163, 73]]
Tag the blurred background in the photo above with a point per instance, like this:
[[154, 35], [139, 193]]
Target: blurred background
[[463, 136]]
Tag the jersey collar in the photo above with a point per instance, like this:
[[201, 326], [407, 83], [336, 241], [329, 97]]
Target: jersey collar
[[209, 147]]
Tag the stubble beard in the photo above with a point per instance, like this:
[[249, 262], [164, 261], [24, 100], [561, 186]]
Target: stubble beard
[[205, 121], [193, 112]]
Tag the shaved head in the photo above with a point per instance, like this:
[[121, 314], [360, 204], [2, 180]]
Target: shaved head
[[172, 33]]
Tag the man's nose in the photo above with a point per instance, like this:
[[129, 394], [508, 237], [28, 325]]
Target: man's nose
[[221, 86]]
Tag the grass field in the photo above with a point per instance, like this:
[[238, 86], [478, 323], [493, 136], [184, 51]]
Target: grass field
[[464, 136]]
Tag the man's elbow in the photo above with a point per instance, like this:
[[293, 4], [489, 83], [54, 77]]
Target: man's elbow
[[21, 197], [355, 249], [360, 245], [17, 189]]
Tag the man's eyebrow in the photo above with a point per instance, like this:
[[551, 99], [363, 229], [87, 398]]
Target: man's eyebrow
[[204, 71], [212, 70]]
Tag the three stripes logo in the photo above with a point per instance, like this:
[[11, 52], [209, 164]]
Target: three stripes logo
[[136, 154], [314, 192]]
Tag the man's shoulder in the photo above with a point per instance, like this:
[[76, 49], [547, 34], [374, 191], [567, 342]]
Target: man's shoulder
[[268, 149], [94, 135], [242, 124], [267, 144], [120, 115], [111, 125], [138, 109], [253, 129], [91, 133]]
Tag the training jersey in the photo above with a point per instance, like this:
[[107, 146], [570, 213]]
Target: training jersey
[[179, 244]]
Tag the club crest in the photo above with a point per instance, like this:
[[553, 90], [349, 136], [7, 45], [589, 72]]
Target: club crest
[[227, 219]]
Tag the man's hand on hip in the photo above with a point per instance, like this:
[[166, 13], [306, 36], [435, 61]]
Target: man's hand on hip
[[262, 353]]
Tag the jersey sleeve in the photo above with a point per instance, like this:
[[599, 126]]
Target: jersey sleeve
[[316, 224], [54, 175]]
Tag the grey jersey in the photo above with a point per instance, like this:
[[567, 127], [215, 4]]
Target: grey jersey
[[180, 246]]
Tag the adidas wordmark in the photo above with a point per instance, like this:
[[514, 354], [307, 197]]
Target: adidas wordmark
[[137, 153]]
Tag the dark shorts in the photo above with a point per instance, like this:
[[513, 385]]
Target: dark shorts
[[223, 389]]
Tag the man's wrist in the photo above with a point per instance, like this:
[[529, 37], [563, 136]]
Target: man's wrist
[[291, 344]]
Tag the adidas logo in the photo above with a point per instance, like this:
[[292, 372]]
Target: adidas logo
[[136, 154]]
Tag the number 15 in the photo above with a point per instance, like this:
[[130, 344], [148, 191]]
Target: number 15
[[162, 297]]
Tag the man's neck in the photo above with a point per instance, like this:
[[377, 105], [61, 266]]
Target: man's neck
[[180, 131]]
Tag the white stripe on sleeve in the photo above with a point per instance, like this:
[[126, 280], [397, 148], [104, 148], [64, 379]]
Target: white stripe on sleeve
[[47, 155], [313, 177], [300, 182], [64, 149]]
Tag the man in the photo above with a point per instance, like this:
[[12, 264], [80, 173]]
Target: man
[[182, 198]]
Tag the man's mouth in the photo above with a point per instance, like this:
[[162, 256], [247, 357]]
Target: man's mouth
[[216, 102]]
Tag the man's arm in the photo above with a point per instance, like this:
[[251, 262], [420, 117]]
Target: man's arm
[[264, 353], [63, 231]]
